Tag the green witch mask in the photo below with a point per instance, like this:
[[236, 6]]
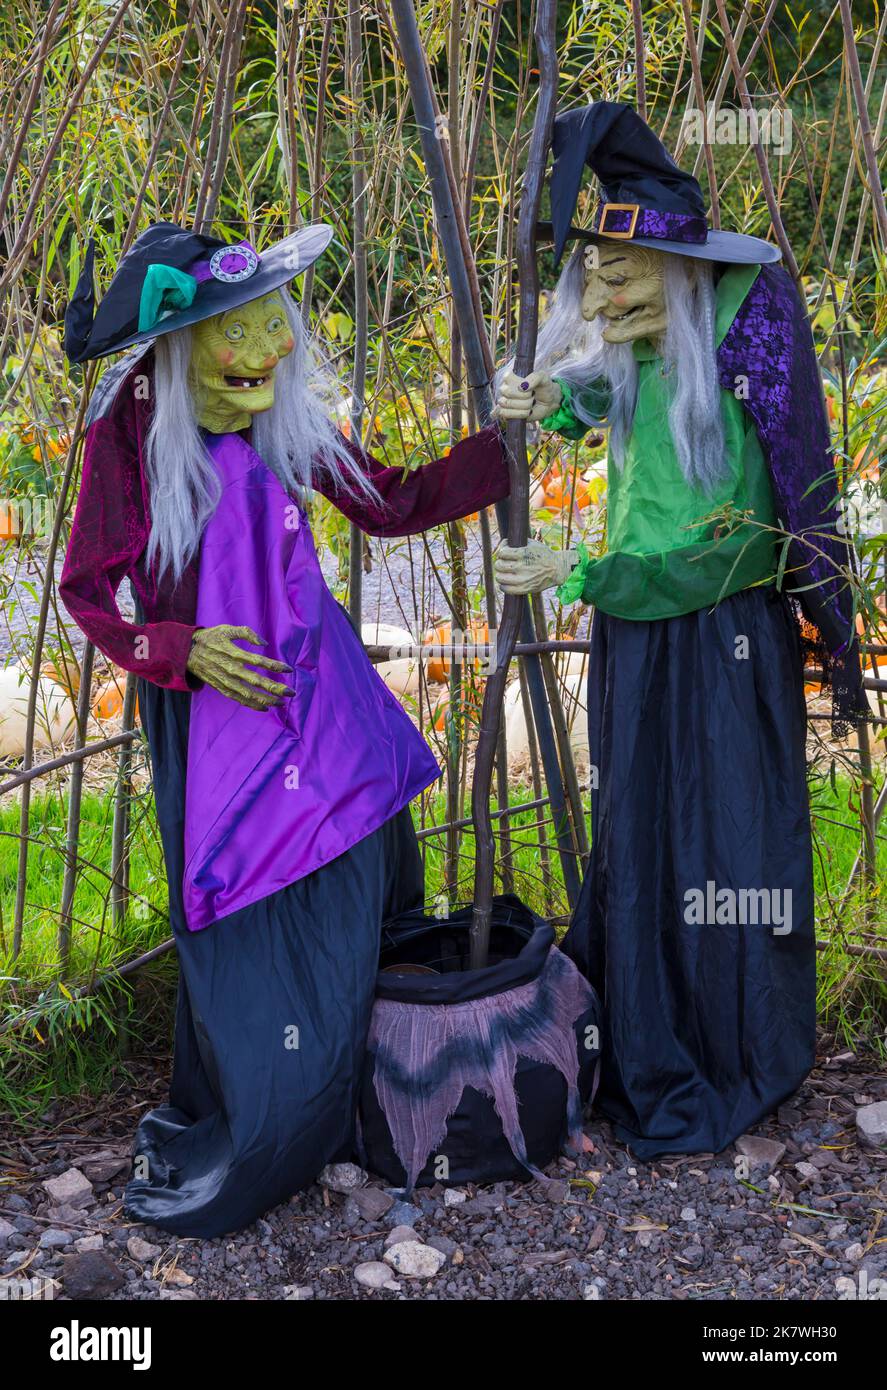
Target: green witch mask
[[233, 360]]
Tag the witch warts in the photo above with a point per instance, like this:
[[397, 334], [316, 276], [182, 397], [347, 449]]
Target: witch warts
[[694, 348], [282, 776]]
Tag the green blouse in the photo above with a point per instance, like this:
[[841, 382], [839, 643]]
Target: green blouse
[[663, 559]]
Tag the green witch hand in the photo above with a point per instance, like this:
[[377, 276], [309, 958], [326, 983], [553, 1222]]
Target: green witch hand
[[217, 660]]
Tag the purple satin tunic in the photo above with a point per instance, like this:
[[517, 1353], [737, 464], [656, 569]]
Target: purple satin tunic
[[272, 795]]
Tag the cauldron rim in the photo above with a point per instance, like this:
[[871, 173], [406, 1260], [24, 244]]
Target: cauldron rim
[[461, 986]]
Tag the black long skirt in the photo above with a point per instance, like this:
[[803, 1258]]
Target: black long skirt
[[697, 737], [273, 1012]]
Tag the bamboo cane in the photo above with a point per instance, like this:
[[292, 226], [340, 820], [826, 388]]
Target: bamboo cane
[[519, 470], [75, 793], [122, 797], [479, 369], [354, 66]]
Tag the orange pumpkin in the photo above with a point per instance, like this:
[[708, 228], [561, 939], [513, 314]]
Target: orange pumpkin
[[68, 677], [866, 467], [559, 493], [107, 703], [439, 713], [438, 667]]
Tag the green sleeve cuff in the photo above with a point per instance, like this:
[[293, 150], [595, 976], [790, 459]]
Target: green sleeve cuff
[[646, 588], [563, 420], [574, 584]]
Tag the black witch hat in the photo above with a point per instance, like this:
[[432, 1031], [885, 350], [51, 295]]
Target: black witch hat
[[171, 277], [645, 197]]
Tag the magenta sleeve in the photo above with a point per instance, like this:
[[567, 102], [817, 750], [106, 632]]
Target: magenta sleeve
[[108, 534], [473, 475]]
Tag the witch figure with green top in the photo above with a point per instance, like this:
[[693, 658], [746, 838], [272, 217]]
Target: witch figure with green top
[[282, 765], [696, 919]]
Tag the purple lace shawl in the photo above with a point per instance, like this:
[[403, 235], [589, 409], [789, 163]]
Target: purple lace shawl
[[769, 350]]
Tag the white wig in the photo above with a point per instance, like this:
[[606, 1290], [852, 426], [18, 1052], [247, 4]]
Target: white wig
[[573, 348], [294, 438]]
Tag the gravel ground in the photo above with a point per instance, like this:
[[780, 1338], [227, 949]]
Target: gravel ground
[[808, 1216]]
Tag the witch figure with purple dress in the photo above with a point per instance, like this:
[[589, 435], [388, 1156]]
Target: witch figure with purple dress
[[282, 765], [695, 923]]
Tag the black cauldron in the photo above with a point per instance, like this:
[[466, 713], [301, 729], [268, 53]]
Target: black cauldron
[[474, 1075]]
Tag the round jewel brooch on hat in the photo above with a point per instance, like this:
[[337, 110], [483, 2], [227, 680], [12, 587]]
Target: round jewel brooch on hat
[[232, 263]]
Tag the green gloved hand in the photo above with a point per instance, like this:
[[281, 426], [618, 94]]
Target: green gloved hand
[[216, 659]]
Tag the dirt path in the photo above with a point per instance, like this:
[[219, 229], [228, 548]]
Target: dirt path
[[607, 1228]]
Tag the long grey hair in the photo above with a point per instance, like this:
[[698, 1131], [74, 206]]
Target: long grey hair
[[571, 347], [295, 438]]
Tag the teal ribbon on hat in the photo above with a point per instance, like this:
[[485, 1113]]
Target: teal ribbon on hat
[[164, 290]]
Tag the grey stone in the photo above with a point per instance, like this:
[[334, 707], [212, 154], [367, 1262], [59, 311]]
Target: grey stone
[[94, 1242], [375, 1275], [415, 1260], [66, 1215], [372, 1202], [454, 1197], [106, 1166], [403, 1214], [53, 1238], [734, 1219], [594, 1291], [350, 1215], [14, 1259], [871, 1125], [688, 1213], [142, 1250], [557, 1191], [342, 1177], [70, 1188], [761, 1153]]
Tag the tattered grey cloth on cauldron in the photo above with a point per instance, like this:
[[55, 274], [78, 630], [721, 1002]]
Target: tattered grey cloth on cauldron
[[476, 1075]]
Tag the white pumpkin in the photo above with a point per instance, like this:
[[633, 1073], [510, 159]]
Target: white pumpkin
[[54, 713]]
